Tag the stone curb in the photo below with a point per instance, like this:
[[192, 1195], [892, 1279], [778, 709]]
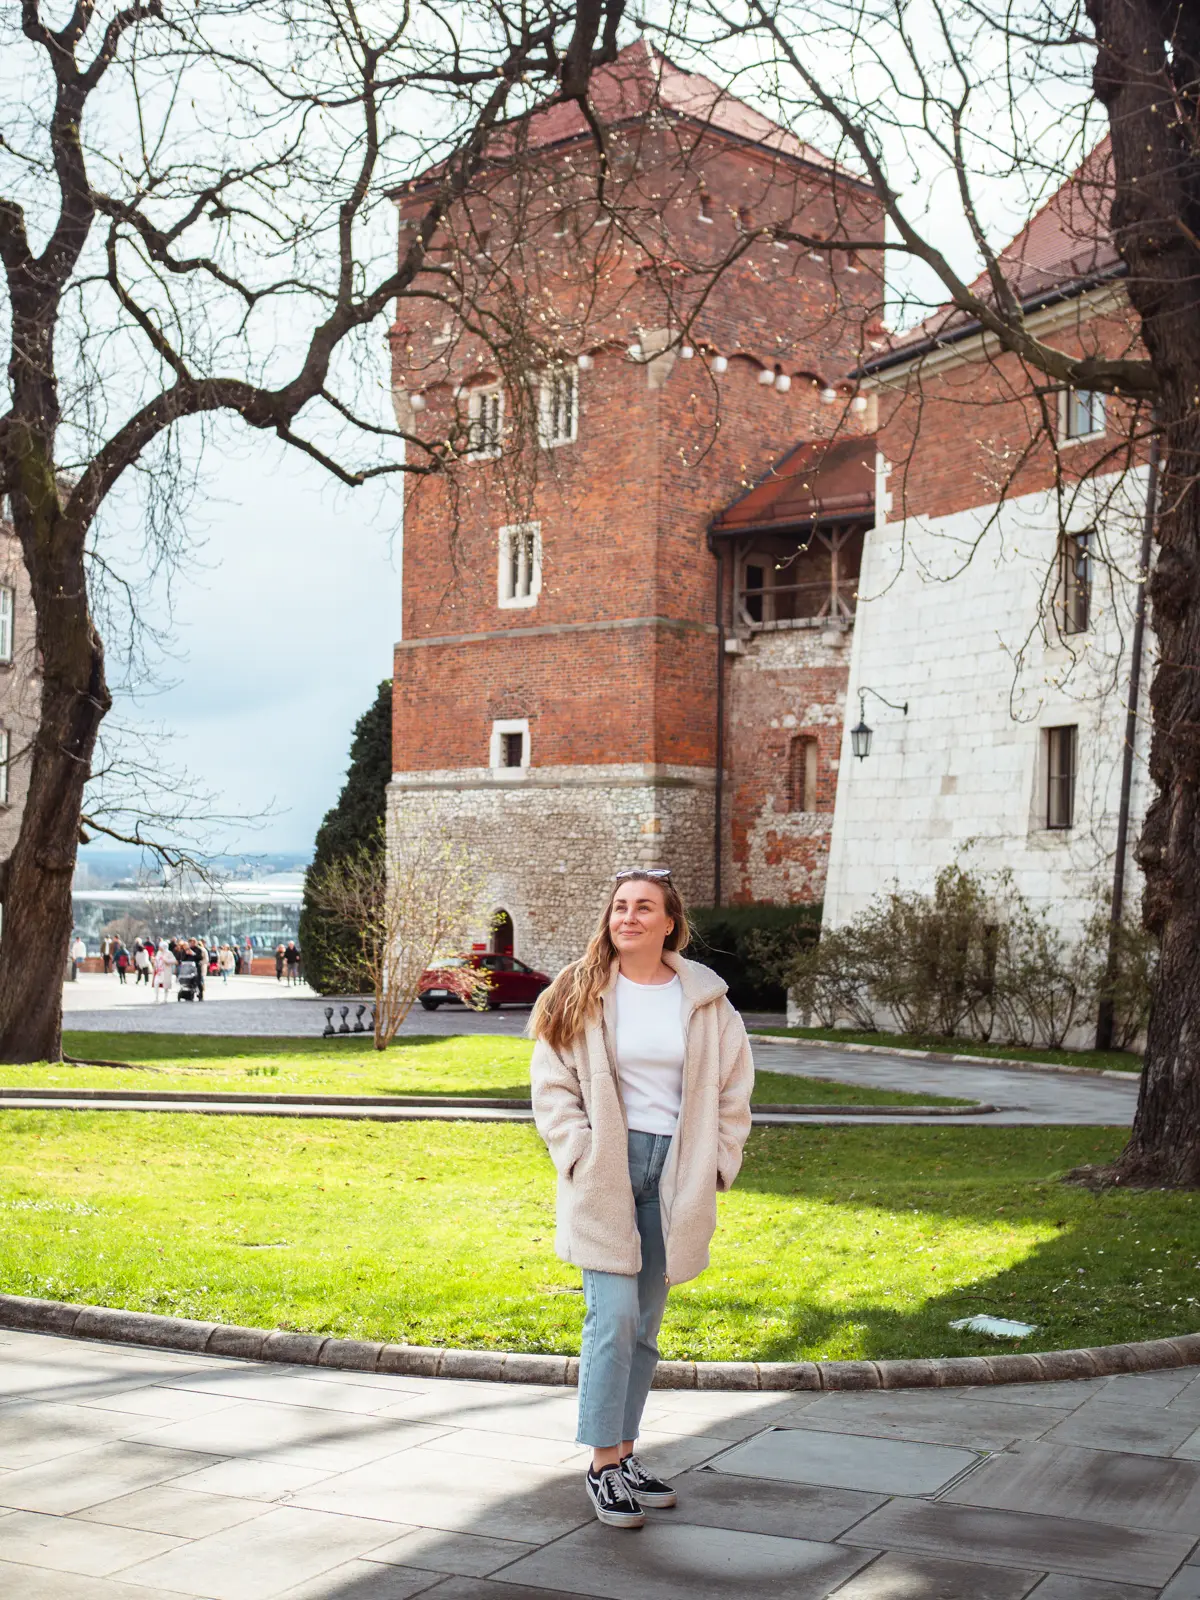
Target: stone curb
[[500, 1366], [1009, 1063], [383, 1108]]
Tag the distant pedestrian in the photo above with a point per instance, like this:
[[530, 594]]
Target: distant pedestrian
[[141, 962], [120, 960], [164, 972], [279, 960], [292, 956], [78, 955], [225, 962], [106, 952]]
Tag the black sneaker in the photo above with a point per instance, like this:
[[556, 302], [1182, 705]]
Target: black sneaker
[[612, 1500], [644, 1486]]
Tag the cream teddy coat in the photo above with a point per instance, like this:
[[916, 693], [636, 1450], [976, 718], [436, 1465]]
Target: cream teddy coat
[[579, 1113]]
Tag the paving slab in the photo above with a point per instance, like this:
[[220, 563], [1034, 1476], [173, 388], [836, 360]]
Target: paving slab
[[753, 1505], [841, 1461], [252, 1480], [61, 1544], [294, 1435], [37, 1583], [673, 1561], [282, 1386], [1058, 1586], [983, 1423], [489, 1589], [276, 1551], [1101, 1425], [31, 1434], [902, 1577], [165, 1509], [93, 1476], [469, 1555], [1133, 1490], [528, 1448], [1062, 1394], [507, 1500], [364, 1580], [165, 1403], [1185, 1585], [1015, 1539]]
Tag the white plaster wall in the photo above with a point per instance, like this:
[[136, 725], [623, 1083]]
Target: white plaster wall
[[952, 618]]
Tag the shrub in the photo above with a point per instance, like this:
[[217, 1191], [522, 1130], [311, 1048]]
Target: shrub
[[972, 959], [753, 947]]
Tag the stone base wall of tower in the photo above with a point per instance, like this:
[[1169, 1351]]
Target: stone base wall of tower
[[550, 839], [787, 691]]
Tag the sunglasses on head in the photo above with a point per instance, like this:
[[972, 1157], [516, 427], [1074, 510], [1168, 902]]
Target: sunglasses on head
[[659, 874]]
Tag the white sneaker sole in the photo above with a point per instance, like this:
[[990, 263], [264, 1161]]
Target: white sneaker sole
[[616, 1519]]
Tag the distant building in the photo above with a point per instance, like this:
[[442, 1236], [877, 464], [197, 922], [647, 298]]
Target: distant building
[[20, 686]]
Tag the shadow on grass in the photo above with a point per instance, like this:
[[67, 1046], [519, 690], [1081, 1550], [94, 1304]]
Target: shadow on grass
[[1088, 1267]]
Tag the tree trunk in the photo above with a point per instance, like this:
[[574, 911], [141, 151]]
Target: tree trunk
[[1149, 92], [37, 892]]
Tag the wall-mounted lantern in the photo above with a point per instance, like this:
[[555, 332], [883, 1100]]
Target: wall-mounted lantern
[[860, 736]]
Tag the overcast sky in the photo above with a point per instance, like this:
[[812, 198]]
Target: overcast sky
[[286, 616]]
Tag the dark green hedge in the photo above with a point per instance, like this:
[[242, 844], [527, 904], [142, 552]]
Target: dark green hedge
[[749, 945]]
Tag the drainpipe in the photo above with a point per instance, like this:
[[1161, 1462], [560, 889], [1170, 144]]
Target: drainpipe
[[718, 794], [1105, 1019]]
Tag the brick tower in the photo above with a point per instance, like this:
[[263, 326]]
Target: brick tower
[[566, 636]]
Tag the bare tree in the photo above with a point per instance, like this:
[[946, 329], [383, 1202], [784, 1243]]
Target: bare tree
[[401, 906], [193, 222]]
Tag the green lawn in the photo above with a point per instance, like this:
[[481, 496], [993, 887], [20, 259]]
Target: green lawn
[[465, 1065], [1112, 1060], [836, 1242]]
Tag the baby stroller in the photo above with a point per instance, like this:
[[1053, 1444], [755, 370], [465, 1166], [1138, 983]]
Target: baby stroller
[[189, 979]]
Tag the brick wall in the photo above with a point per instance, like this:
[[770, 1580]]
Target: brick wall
[[615, 666]]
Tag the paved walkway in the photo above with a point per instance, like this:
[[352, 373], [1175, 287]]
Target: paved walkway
[[126, 1473], [259, 1007]]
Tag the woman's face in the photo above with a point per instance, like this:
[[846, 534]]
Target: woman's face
[[638, 919]]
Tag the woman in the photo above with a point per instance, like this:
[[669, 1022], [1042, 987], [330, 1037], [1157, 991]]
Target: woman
[[641, 1089]]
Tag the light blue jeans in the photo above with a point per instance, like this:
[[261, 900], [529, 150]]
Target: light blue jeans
[[619, 1351]]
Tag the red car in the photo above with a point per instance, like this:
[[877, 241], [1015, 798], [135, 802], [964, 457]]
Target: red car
[[509, 982]]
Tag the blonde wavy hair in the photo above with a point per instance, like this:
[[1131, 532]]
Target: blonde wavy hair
[[562, 1011]]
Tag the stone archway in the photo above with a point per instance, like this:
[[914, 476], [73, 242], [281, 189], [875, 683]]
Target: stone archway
[[502, 933]]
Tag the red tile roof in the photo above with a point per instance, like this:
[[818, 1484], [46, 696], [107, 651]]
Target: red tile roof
[[816, 479], [642, 80], [1066, 243]]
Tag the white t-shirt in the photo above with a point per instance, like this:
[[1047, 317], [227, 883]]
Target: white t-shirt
[[650, 1048]]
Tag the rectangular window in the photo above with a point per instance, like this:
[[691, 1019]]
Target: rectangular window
[[755, 589], [6, 623], [485, 414], [509, 750], [802, 774], [558, 407], [1081, 414], [3, 766], [1062, 753], [1075, 581], [520, 574]]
